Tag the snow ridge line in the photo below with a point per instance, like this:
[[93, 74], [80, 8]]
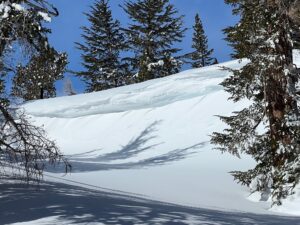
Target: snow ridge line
[[150, 94]]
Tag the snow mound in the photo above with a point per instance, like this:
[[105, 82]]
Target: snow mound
[[150, 94], [152, 139]]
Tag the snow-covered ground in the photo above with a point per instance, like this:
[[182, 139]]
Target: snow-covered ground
[[150, 141]]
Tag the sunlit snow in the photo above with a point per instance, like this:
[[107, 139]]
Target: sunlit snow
[[151, 140]]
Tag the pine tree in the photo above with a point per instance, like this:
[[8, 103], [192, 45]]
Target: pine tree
[[202, 55], [103, 43], [68, 87], [296, 35], [269, 129], [21, 20], [294, 15], [293, 9], [21, 143], [215, 61], [152, 33], [37, 79]]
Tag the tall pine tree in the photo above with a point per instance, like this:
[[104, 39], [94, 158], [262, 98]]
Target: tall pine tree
[[37, 79], [269, 129], [154, 29], [103, 43], [202, 55]]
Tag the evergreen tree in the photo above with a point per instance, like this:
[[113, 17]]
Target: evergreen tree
[[68, 87], [154, 29], [202, 55], [21, 143], [296, 36], [269, 129], [293, 9], [37, 79], [21, 20], [215, 61], [103, 43]]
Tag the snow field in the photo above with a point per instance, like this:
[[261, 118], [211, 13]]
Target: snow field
[[152, 139]]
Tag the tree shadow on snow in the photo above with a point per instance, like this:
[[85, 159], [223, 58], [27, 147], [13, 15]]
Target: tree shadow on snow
[[76, 205], [163, 159], [81, 163], [133, 148]]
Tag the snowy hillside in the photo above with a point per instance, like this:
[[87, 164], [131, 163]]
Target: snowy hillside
[[152, 140]]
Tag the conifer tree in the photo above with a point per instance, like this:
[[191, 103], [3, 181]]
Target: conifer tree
[[294, 15], [154, 29], [37, 79], [21, 143], [202, 55], [296, 36], [269, 129], [103, 43], [215, 61], [68, 87]]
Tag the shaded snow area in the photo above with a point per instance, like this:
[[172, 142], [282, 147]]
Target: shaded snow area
[[141, 155], [52, 204]]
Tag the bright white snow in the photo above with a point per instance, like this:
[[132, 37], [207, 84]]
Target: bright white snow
[[152, 139], [45, 16]]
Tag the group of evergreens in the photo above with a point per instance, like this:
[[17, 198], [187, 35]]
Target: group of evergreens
[[149, 39], [268, 31], [147, 43]]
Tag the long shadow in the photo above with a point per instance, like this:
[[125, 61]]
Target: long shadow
[[75, 205], [81, 163], [172, 156], [133, 148]]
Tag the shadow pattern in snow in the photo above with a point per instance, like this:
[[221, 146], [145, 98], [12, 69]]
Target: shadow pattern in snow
[[133, 148], [138, 145], [163, 159], [75, 205]]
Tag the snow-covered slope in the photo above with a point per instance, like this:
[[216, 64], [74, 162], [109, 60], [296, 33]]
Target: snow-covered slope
[[152, 140], [150, 94]]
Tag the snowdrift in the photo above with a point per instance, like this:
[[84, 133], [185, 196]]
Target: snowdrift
[[152, 140]]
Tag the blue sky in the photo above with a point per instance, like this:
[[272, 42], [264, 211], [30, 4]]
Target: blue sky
[[215, 15]]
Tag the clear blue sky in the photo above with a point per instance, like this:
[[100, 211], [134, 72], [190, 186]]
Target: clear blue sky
[[215, 15]]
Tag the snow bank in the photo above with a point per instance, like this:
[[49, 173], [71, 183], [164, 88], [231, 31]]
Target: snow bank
[[152, 139], [150, 94]]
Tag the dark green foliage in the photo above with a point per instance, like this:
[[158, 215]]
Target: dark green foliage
[[24, 148], [103, 43], [296, 36], [37, 79], [154, 29], [202, 55], [269, 129], [24, 27]]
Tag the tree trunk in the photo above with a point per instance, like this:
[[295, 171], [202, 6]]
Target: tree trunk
[[42, 93], [281, 93]]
